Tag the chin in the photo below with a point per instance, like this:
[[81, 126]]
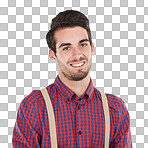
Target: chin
[[78, 77]]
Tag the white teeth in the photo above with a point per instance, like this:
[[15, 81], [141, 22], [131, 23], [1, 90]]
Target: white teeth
[[78, 64]]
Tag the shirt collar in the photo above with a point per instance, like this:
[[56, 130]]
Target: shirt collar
[[64, 91], [89, 91], [67, 93]]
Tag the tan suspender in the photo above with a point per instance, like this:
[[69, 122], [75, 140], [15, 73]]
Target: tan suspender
[[107, 120], [52, 125], [53, 134]]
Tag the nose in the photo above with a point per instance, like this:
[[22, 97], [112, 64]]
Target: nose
[[76, 53]]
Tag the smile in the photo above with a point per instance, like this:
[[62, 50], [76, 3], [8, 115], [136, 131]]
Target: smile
[[77, 65]]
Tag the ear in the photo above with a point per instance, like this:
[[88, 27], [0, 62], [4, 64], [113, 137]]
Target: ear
[[92, 47], [52, 55]]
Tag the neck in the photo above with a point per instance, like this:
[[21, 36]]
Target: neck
[[78, 87]]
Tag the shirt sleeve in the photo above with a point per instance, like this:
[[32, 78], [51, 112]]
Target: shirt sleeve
[[25, 133], [123, 136]]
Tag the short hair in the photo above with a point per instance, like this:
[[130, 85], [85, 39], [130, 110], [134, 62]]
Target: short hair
[[68, 18]]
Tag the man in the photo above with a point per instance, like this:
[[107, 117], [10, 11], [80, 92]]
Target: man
[[77, 104]]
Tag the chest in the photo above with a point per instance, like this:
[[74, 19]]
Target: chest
[[82, 125]]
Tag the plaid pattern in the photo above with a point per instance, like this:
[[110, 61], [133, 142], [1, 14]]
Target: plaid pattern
[[79, 122], [120, 61]]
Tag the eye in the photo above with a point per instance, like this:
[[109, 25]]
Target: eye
[[66, 48], [84, 44]]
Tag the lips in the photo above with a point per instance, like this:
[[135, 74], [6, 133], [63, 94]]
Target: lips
[[77, 64]]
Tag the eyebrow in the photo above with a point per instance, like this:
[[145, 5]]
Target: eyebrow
[[64, 44], [84, 40], [67, 44]]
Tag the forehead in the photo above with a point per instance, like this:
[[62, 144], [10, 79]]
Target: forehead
[[70, 34]]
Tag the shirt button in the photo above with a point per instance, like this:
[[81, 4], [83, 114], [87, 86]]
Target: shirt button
[[79, 107], [79, 132]]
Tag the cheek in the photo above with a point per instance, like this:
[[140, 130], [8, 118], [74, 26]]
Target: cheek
[[66, 56], [62, 59], [88, 55]]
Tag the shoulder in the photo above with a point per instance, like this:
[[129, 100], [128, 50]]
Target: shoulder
[[35, 97], [115, 103], [119, 106]]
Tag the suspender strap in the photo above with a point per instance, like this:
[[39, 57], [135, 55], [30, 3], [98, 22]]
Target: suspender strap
[[51, 118], [52, 125], [107, 120]]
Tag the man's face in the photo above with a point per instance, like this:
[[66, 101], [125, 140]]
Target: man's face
[[73, 53]]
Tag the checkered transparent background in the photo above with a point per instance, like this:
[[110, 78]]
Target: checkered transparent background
[[120, 61]]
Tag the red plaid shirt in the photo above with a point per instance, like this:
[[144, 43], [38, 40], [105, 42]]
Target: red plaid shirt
[[79, 122]]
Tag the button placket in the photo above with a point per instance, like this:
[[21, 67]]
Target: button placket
[[79, 132], [79, 110], [79, 107]]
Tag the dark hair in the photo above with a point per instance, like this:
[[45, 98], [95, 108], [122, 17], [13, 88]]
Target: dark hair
[[68, 18]]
